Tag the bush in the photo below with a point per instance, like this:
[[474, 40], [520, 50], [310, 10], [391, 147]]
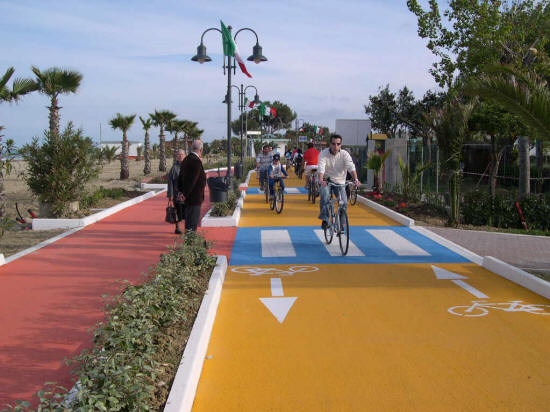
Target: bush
[[93, 199], [138, 348], [58, 170]]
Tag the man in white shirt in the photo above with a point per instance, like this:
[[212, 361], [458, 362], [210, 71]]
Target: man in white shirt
[[333, 164]]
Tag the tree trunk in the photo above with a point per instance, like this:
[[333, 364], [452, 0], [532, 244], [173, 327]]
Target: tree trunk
[[454, 198], [2, 196], [147, 155], [54, 118], [175, 146], [495, 163], [124, 171], [524, 167], [162, 152], [540, 182]]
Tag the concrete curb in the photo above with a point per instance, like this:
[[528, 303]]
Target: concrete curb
[[404, 220], [48, 224], [450, 245], [223, 221], [522, 278], [182, 393]]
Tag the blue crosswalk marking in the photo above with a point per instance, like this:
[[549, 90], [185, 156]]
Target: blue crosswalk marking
[[288, 191], [247, 249]]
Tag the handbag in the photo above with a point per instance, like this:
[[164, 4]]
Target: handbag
[[171, 216]]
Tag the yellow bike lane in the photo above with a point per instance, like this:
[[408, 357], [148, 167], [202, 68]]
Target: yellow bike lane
[[401, 323]]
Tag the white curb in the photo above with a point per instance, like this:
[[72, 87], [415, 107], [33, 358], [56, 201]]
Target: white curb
[[223, 221], [49, 224], [182, 393], [522, 278], [404, 220]]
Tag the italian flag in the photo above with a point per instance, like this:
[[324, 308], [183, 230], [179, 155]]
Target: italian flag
[[230, 48], [250, 104]]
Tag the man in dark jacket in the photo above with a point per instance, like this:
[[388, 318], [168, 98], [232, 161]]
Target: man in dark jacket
[[191, 184], [173, 192]]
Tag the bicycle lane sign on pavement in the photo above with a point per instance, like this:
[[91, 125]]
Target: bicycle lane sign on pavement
[[300, 328]]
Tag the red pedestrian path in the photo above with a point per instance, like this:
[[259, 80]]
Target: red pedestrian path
[[49, 299]]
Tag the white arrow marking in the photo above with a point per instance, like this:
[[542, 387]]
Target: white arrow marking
[[276, 287], [445, 274], [279, 307], [456, 278]]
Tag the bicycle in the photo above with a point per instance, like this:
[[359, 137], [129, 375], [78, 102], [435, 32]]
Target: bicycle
[[351, 192], [264, 186], [298, 169], [278, 199], [338, 222], [313, 186], [481, 308]]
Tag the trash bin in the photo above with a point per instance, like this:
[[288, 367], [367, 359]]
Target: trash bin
[[217, 188], [238, 170]]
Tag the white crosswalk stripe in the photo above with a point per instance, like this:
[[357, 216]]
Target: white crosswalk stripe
[[397, 243], [277, 243], [334, 248]]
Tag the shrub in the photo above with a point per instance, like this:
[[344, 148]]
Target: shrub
[[58, 170], [93, 199]]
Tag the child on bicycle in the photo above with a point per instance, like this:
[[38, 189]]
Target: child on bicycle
[[276, 170]]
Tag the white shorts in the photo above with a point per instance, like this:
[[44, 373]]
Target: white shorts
[[309, 168]]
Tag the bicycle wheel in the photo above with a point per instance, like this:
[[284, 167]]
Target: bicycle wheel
[[273, 198], [266, 192], [309, 191], [343, 232], [279, 200], [353, 196], [329, 230], [315, 192], [468, 311]]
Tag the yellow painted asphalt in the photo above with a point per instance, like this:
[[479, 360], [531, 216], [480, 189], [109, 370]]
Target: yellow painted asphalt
[[371, 337]]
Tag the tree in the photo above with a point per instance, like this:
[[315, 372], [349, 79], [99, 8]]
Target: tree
[[382, 109], [53, 82], [450, 126], [18, 88], [480, 32], [58, 170], [375, 162], [161, 119], [146, 124], [123, 123]]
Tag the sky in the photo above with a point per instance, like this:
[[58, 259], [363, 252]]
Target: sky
[[325, 58]]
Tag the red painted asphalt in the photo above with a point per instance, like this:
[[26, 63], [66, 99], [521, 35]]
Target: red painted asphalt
[[49, 299]]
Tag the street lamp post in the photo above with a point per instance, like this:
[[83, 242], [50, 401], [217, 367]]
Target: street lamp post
[[242, 108], [202, 57]]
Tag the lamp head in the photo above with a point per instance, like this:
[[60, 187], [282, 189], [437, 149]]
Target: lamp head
[[257, 99], [257, 56], [201, 55]]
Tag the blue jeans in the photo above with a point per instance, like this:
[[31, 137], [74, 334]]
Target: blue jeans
[[271, 183], [263, 176], [325, 199]]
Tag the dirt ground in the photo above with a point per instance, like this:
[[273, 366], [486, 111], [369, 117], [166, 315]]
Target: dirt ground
[[18, 238]]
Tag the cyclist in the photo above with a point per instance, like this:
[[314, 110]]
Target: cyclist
[[311, 157], [276, 170], [288, 157], [333, 164], [263, 160], [298, 160]]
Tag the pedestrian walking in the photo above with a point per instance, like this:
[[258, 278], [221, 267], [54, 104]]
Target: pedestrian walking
[[173, 193], [191, 184]]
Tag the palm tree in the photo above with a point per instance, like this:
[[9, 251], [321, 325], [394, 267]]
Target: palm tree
[[19, 88], [123, 123], [53, 82], [524, 94], [375, 162], [178, 126], [450, 126], [146, 124], [162, 119]]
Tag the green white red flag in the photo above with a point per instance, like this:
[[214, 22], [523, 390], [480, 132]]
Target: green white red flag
[[230, 48]]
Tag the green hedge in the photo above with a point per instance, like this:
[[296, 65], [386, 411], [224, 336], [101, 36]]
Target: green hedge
[[137, 349], [479, 209]]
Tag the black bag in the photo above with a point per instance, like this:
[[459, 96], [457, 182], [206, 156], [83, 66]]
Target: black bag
[[171, 216]]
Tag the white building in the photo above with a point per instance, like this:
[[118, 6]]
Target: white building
[[132, 149]]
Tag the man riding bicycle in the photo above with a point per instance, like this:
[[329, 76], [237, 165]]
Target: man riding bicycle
[[275, 171], [333, 164], [263, 161], [311, 158]]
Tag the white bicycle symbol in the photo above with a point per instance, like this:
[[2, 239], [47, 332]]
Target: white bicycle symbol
[[481, 308], [256, 271]]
